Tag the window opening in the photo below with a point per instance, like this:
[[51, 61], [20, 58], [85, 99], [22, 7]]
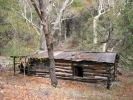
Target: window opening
[[78, 71]]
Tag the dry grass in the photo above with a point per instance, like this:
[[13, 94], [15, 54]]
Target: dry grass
[[15, 88]]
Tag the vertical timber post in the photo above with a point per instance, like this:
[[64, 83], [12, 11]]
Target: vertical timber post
[[108, 77], [14, 65], [72, 66], [28, 66], [115, 67], [114, 76]]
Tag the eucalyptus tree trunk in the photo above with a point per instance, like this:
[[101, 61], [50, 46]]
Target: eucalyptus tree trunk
[[46, 17], [48, 43], [46, 30], [95, 28], [103, 7], [104, 47], [96, 18]]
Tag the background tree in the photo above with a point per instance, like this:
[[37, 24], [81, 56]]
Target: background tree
[[125, 24], [14, 34]]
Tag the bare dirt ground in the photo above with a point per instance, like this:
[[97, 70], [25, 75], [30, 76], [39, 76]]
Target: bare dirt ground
[[34, 88]]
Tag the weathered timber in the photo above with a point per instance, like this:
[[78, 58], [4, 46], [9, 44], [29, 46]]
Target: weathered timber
[[63, 71], [59, 73], [42, 71], [98, 72], [62, 64], [95, 68], [94, 74], [63, 75], [62, 61], [83, 80], [14, 64], [108, 78], [30, 73], [92, 70], [62, 68]]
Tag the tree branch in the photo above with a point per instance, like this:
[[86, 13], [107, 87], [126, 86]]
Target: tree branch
[[36, 8], [70, 3], [58, 20]]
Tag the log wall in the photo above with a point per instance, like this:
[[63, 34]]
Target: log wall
[[92, 72], [63, 69]]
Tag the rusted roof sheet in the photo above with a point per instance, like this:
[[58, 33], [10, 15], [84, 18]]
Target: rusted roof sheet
[[108, 57], [99, 57], [43, 54]]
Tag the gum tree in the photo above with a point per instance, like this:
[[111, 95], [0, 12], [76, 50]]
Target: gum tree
[[50, 25]]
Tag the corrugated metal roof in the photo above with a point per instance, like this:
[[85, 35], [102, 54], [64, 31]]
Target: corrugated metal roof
[[103, 57], [99, 57]]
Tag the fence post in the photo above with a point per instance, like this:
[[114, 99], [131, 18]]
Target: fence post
[[14, 65]]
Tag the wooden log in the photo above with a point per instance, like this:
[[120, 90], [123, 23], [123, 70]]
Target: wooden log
[[83, 79], [31, 73], [95, 67], [62, 67], [67, 69], [94, 74], [76, 64], [64, 71], [40, 74], [59, 73], [90, 70], [46, 76], [62, 64], [101, 77], [42, 71], [63, 61], [97, 72], [63, 75]]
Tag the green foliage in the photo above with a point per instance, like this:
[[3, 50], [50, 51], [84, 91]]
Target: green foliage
[[125, 25], [126, 19], [77, 3], [17, 36]]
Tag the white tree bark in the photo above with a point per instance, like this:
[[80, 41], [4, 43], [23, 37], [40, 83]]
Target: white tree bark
[[101, 11], [104, 47], [95, 29], [103, 7], [57, 23]]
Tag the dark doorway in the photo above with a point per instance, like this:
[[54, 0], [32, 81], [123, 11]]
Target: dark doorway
[[78, 71]]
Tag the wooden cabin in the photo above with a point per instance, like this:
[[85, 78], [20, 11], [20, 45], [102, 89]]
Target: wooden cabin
[[94, 67]]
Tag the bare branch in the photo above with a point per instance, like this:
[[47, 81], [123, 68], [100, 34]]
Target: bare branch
[[36, 8], [70, 3], [30, 11], [58, 20]]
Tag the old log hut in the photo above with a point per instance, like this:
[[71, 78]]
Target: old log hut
[[94, 67]]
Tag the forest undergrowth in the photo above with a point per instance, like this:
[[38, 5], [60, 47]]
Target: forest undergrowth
[[19, 87]]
